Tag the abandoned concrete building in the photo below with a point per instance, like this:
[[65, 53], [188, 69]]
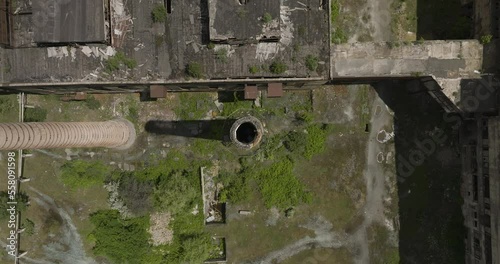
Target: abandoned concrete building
[[65, 46], [32, 23]]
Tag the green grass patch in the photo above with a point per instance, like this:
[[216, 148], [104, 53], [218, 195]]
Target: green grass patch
[[279, 186], [236, 105], [194, 106], [84, 174], [36, 114], [312, 62]]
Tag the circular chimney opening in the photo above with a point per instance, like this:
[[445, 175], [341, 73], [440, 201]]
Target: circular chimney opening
[[246, 133]]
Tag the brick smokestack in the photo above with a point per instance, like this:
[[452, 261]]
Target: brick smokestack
[[45, 135]]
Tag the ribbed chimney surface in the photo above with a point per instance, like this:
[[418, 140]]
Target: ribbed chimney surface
[[46, 135]]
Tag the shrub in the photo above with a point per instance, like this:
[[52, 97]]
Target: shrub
[[92, 103], [278, 67], [136, 194], [121, 240], [29, 225], [307, 144], [311, 62], [84, 174], [253, 69], [486, 39], [266, 18], [174, 192], [159, 14], [211, 45], [194, 70], [221, 55], [235, 187], [113, 63], [36, 114], [339, 36]]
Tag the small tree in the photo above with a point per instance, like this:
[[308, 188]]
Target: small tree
[[311, 62], [194, 70], [266, 18], [278, 67], [159, 14]]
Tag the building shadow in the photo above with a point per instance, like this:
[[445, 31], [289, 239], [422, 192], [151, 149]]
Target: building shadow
[[428, 165], [443, 19], [206, 129]]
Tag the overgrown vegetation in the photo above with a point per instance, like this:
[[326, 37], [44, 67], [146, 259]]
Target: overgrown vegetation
[[136, 193], [253, 69], [194, 70], [267, 18], [231, 107], [7, 103], [21, 198], [84, 174], [338, 35], [115, 62], [173, 185], [194, 106], [159, 13], [486, 39], [221, 55], [280, 187], [29, 227], [278, 67], [121, 240], [312, 62], [309, 142], [36, 114], [92, 103]]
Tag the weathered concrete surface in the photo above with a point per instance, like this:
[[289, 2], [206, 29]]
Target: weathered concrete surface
[[442, 59]]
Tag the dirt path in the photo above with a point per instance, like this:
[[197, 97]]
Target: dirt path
[[380, 19], [69, 247], [375, 18], [325, 238], [375, 178]]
